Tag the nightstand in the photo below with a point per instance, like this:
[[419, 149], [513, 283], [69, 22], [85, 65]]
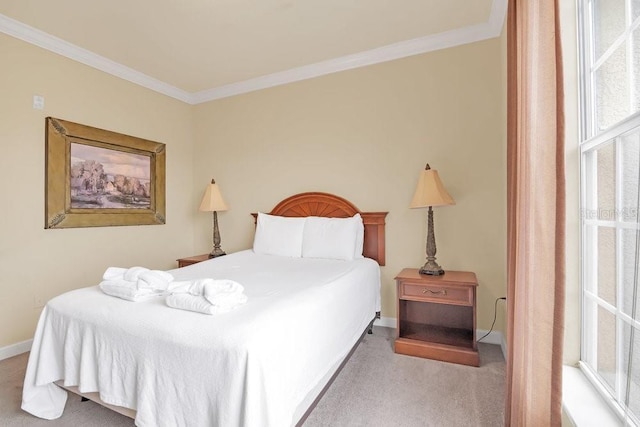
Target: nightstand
[[183, 262], [437, 316]]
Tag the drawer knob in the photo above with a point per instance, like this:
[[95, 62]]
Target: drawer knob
[[429, 291]]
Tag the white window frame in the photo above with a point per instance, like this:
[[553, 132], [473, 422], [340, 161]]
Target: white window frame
[[592, 139]]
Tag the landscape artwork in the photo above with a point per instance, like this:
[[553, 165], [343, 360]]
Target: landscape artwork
[[101, 178]]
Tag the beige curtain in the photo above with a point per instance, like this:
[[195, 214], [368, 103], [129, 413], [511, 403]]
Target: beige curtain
[[536, 200]]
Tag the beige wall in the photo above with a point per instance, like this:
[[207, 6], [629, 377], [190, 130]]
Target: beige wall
[[365, 134], [39, 263]]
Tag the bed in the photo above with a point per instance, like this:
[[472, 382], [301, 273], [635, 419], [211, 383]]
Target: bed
[[265, 363]]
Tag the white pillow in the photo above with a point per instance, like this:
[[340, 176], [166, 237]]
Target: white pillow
[[359, 237], [333, 238], [278, 235]]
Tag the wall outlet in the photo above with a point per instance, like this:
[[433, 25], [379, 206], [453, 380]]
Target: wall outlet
[[38, 302]]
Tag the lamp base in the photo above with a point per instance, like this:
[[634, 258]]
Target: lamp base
[[431, 268], [431, 272], [216, 253]]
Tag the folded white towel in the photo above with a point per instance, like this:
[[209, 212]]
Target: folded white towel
[[144, 277], [154, 279], [123, 289], [193, 287], [198, 303], [224, 293], [113, 273], [191, 303], [120, 283], [133, 274], [209, 288], [206, 295]]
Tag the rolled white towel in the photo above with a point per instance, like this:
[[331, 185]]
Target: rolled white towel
[[120, 283], [133, 274], [154, 279], [197, 303], [186, 301], [224, 293], [222, 286], [193, 287], [207, 287], [118, 289], [113, 273]]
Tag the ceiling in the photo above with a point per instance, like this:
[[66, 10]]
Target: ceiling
[[199, 50]]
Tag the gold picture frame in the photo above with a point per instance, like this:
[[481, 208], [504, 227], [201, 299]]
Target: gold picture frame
[[99, 178]]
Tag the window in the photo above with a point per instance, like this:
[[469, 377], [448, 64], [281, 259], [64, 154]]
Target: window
[[609, 46]]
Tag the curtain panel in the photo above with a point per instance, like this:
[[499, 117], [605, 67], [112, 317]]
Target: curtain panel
[[535, 214]]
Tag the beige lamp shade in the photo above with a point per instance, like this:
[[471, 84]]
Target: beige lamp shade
[[212, 200], [430, 191]]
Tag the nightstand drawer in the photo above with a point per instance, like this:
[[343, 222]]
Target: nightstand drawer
[[459, 295]]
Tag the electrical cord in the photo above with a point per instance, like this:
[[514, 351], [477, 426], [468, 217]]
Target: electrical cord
[[495, 314]]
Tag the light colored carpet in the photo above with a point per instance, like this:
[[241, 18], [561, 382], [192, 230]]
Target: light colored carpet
[[376, 388]]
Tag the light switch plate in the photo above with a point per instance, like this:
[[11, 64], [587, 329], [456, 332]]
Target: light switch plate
[[38, 102]]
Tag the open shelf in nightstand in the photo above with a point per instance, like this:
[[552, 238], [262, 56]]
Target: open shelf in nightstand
[[437, 323], [436, 334]]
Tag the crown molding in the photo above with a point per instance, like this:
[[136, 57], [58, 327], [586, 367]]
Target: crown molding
[[474, 33], [54, 44]]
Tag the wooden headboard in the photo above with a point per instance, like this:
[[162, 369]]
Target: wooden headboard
[[332, 206]]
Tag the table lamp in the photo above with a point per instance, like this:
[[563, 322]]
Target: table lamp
[[430, 192], [213, 202]]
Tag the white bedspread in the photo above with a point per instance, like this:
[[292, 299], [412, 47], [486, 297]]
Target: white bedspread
[[249, 367]]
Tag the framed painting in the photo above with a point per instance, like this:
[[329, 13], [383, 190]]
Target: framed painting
[[99, 178]]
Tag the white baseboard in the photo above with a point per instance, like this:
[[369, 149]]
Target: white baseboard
[[15, 349], [494, 337], [386, 322]]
